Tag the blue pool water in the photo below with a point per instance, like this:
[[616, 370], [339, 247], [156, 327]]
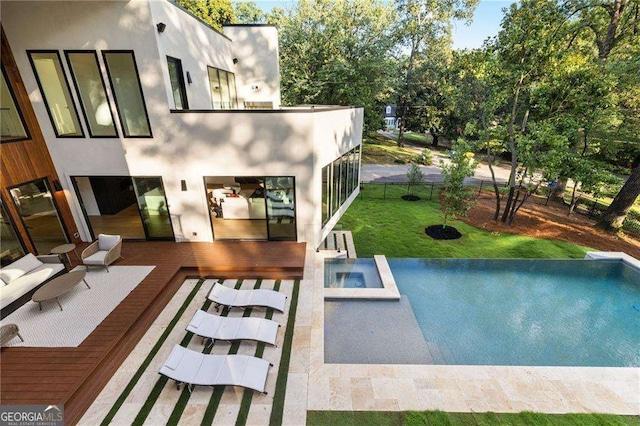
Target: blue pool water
[[525, 312]]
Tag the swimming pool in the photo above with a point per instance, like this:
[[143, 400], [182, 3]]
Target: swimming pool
[[351, 273], [525, 312]]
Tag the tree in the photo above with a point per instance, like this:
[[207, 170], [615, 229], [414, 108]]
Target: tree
[[455, 197], [414, 177], [423, 29], [214, 12], [247, 12], [336, 53]]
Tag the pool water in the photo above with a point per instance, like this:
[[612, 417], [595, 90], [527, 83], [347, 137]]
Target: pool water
[[351, 273], [525, 312]]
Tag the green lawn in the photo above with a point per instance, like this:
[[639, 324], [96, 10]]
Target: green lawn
[[377, 149], [395, 228], [439, 418]]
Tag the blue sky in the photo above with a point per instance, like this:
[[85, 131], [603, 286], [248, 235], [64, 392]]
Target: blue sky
[[486, 21]]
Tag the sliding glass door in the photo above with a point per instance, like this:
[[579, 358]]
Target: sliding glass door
[[281, 211], [11, 249], [35, 204], [132, 207]]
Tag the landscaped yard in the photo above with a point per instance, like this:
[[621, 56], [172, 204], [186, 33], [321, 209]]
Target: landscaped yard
[[395, 228], [376, 149]]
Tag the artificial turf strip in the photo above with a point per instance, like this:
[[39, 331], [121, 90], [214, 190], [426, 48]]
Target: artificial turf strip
[[247, 396], [277, 409], [159, 386], [134, 380], [441, 418], [214, 401]]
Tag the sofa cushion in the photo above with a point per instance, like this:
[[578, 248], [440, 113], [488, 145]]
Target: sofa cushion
[[107, 242], [28, 282], [18, 268], [95, 259]]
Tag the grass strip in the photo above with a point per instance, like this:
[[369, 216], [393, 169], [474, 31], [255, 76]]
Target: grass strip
[[247, 396], [159, 386], [214, 401], [134, 380], [180, 406], [277, 409], [441, 418]]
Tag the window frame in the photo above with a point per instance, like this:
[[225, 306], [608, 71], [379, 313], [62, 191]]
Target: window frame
[[77, 87], [231, 92], [44, 96], [12, 94], [182, 86], [115, 96]]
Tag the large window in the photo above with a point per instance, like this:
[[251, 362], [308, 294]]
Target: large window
[[12, 249], [11, 120], [127, 91], [223, 89], [57, 97], [92, 93], [339, 180], [177, 83]]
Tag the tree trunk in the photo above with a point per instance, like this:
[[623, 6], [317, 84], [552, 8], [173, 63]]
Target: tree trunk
[[617, 211], [434, 138]]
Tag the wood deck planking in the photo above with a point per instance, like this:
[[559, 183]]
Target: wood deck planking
[[38, 375]]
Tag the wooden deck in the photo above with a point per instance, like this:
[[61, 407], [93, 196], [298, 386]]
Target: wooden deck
[[75, 376]]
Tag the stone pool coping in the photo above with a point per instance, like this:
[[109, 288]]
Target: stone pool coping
[[614, 255], [454, 388], [389, 290]]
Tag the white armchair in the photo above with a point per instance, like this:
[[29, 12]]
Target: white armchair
[[102, 252]]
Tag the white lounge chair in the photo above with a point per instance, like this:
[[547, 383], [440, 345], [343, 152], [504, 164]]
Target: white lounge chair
[[215, 327], [195, 368], [225, 296]]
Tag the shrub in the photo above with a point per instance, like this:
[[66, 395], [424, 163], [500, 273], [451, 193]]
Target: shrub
[[425, 157]]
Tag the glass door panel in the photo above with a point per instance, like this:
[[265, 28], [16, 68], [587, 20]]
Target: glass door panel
[[11, 249], [34, 202], [152, 204], [281, 213]]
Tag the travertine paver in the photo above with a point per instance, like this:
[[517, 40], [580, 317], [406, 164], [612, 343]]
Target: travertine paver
[[229, 407], [459, 388]]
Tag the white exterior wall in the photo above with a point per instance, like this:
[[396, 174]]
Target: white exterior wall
[[185, 146], [196, 45], [256, 48]]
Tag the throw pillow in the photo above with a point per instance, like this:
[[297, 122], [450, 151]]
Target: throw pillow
[[18, 268]]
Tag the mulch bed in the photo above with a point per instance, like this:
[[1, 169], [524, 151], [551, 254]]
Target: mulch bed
[[410, 197], [440, 232], [537, 220]]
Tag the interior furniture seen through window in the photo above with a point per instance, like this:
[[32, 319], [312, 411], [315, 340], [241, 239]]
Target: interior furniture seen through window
[[127, 91], [35, 203], [11, 250], [223, 89], [11, 122], [177, 83], [92, 93], [50, 76]]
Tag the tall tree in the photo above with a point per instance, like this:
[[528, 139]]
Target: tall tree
[[248, 12], [336, 52], [423, 27], [214, 12]]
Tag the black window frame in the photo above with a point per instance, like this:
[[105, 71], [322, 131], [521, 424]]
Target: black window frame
[[79, 95], [18, 109], [12, 224], [44, 97], [233, 103], [183, 88], [115, 96]]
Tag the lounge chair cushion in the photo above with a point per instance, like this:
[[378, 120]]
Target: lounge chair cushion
[[174, 359], [20, 267], [2, 282], [107, 242], [95, 259]]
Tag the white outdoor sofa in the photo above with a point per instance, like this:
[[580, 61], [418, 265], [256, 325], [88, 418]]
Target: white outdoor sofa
[[24, 276], [225, 296], [215, 327], [195, 368]]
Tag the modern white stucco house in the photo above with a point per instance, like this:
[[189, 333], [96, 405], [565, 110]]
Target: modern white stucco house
[[201, 148]]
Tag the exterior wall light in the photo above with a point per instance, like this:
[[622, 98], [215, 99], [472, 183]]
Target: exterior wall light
[[161, 26], [183, 185]]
